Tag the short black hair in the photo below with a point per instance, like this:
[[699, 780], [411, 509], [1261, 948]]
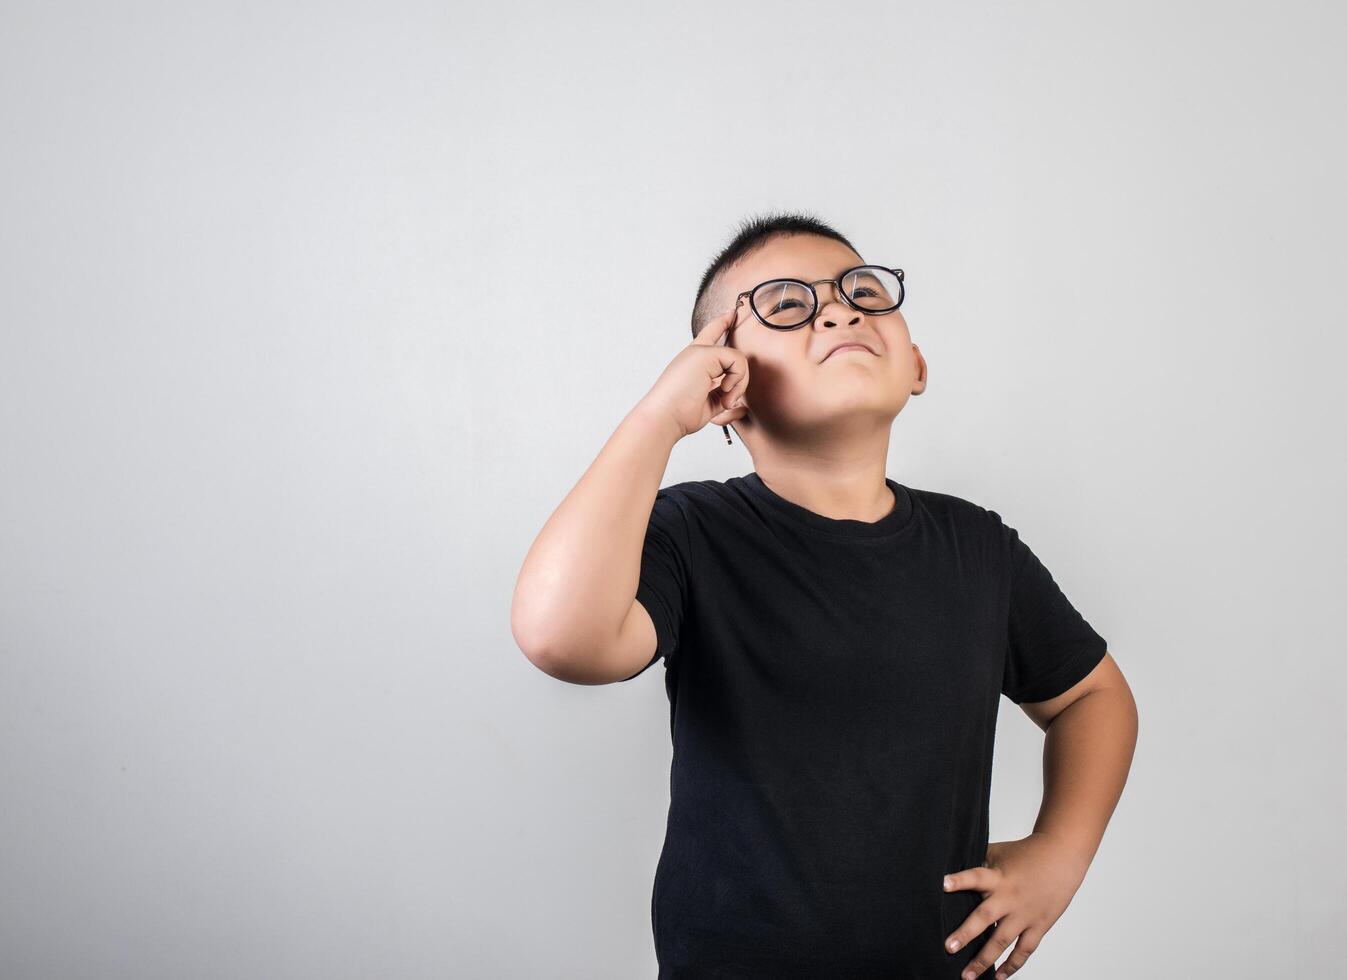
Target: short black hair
[[751, 233]]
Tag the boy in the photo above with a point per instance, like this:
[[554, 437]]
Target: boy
[[835, 647]]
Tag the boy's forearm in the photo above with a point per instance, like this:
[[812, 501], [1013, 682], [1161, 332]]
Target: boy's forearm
[[579, 577], [1087, 753]]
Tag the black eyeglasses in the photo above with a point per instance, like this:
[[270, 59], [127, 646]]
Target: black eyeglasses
[[788, 304]]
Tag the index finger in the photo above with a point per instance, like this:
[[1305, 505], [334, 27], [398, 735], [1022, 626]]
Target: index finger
[[981, 878], [717, 328]]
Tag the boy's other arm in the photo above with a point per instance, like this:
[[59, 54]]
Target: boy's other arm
[[1027, 883], [1091, 737], [574, 613]]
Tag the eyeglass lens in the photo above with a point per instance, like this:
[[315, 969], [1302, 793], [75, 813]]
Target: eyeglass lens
[[785, 303]]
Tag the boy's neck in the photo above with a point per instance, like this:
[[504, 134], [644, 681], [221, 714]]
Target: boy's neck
[[839, 489]]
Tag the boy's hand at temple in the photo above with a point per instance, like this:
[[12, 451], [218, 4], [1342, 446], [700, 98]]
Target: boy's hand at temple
[[574, 612], [1026, 886], [705, 381]]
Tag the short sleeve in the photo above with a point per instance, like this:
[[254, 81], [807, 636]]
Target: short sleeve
[[1050, 646], [664, 574]]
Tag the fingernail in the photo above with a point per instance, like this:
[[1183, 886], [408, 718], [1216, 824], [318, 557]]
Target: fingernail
[[953, 944], [948, 883], [969, 975]]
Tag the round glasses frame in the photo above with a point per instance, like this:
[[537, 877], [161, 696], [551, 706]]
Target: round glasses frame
[[837, 286]]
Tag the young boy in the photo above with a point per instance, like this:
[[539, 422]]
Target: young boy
[[835, 647]]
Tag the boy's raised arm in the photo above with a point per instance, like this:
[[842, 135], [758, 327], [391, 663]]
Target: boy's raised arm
[[574, 608]]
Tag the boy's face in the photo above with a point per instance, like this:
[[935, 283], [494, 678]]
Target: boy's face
[[796, 383]]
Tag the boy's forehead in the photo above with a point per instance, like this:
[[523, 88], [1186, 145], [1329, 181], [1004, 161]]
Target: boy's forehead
[[807, 257]]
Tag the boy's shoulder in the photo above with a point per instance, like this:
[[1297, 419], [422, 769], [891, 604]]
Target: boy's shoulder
[[953, 506], [705, 492]]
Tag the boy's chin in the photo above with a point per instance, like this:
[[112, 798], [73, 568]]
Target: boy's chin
[[833, 417]]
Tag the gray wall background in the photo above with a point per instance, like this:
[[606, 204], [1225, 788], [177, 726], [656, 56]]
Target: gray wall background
[[312, 313]]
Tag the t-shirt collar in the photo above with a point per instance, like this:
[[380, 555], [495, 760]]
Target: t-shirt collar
[[891, 523]]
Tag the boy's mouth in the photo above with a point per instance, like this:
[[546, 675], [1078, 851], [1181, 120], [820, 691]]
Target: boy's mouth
[[847, 347]]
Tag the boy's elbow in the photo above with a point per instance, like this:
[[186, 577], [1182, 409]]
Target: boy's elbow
[[533, 619], [572, 667], [585, 663], [564, 647], [544, 650], [545, 660], [536, 645]]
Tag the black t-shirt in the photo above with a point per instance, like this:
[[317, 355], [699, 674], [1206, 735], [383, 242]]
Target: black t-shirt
[[833, 689]]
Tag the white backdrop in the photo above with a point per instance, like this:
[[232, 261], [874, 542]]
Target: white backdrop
[[310, 314]]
